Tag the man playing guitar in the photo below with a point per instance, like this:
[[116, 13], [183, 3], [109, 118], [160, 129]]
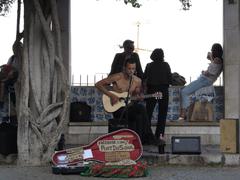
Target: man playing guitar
[[135, 112]]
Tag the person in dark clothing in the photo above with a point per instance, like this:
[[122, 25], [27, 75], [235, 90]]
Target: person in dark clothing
[[9, 72], [120, 58], [157, 77], [134, 112]]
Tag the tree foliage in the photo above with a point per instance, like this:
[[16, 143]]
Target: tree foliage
[[186, 4], [134, 3], [5, 5]]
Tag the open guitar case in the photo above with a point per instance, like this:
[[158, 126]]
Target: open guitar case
[[112, 147]]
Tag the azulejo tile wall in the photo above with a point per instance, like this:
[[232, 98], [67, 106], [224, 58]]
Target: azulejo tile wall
[[93, 97]]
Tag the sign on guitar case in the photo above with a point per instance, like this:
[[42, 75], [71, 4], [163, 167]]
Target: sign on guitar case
[[115, 146]]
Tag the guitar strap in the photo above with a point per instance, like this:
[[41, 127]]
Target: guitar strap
[[125, 111], [128, 92]]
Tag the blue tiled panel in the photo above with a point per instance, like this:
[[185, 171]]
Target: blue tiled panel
[[94, 98]]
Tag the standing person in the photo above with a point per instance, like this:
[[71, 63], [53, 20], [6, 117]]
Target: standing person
[[9, 72], [158, 76], [207, 77], [120, 58], [135, 113]]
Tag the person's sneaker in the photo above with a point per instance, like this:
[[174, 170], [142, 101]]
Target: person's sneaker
[[182, 116], [181, 119]]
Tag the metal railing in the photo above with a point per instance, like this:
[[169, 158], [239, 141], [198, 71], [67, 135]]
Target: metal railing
[[87, 80], [90, 80]]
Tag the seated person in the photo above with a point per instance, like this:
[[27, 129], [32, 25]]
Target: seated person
[[134, 112], [207, 78]]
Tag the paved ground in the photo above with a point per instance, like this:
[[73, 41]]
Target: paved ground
[[155, 173], [157, 169]]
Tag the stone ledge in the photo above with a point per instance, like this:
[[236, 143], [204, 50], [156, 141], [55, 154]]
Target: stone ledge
[[168, 123], [199, 160], [210, 155], [184, 130], [86, 134], [169, 130], [87, 138]]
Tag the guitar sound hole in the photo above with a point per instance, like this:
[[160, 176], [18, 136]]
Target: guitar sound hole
[[121, 99]]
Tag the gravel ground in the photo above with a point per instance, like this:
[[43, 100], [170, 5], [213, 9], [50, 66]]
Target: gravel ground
[[10, 172]]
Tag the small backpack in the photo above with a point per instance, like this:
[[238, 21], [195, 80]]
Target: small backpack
[[178, 80], [8, 73]]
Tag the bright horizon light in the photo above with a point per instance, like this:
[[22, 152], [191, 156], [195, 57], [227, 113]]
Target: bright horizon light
[[98, 27]]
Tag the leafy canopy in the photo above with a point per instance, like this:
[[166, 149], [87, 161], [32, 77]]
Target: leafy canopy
[[5, 5], [186, 4]]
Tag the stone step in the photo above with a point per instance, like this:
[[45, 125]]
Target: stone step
[[86, 132], [210, 155]]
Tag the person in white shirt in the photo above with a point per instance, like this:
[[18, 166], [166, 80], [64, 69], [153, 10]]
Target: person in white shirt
[[207, 78]]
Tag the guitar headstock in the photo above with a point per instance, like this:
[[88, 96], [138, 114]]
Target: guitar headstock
[[157, 95]]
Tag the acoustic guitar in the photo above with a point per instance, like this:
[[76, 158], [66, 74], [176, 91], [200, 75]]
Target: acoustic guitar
[[122, 98]]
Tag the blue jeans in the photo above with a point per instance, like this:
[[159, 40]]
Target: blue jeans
[[201, 82]]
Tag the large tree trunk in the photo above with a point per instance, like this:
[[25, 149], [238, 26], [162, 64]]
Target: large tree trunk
[[43, 88]]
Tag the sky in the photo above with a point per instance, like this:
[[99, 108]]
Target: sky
[[98, 27]]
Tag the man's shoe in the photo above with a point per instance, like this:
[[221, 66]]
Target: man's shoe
[[157, 142], [161, 149]]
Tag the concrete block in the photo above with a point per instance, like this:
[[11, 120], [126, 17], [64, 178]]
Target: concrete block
[[231, 15], [83, 139], [232, 91], [231, 46], [88, 129], [155, 159], [212, 159], [185, 160], [208, 134], [192, 130], [231, 159]]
